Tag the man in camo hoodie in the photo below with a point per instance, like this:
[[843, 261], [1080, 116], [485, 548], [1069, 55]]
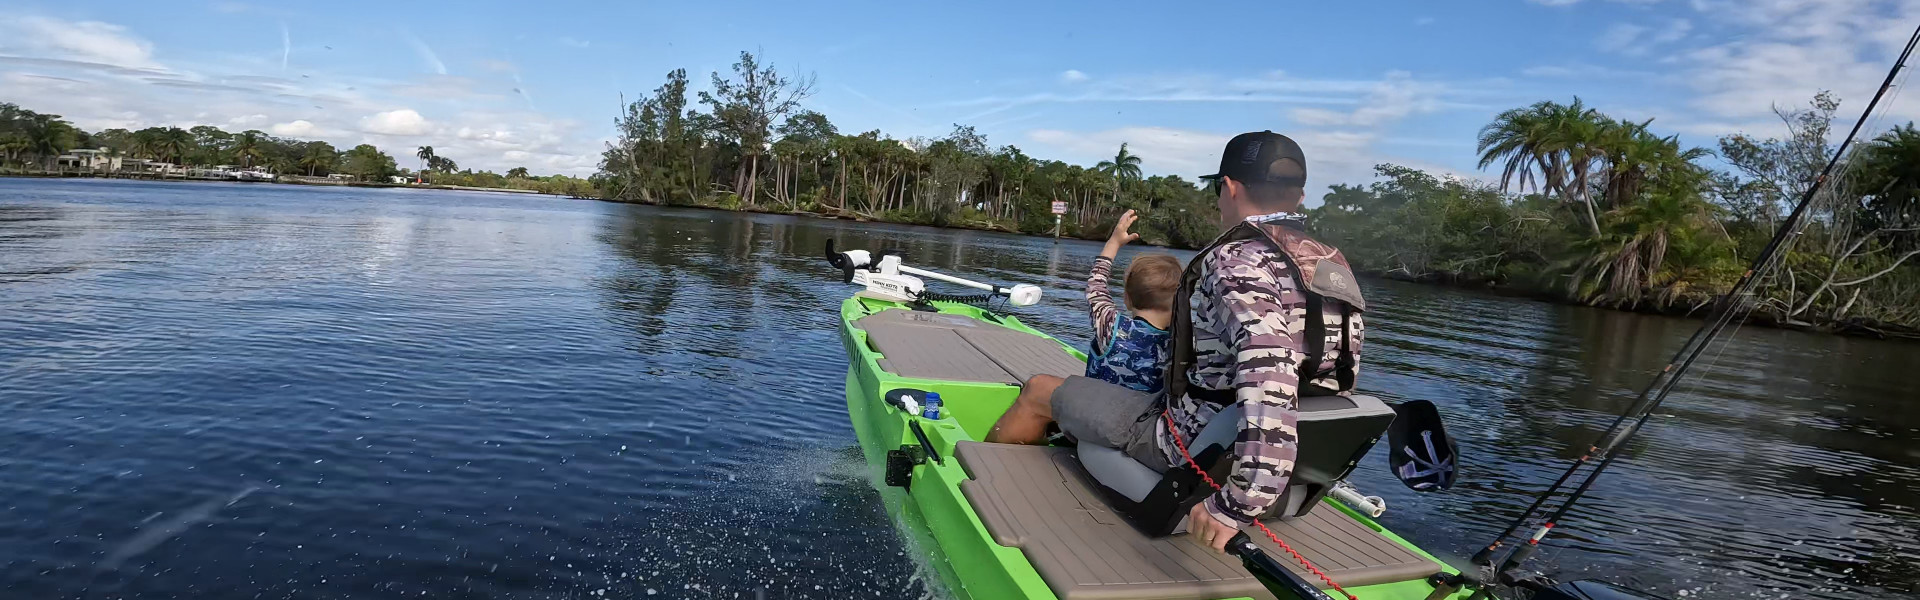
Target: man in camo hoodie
[[1248, 345]]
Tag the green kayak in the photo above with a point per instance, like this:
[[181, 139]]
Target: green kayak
[[1014, 521]]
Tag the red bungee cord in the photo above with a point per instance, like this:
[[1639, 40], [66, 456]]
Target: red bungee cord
[[1171, 428]]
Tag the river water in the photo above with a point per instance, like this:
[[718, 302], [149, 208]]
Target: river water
[[241, 391]]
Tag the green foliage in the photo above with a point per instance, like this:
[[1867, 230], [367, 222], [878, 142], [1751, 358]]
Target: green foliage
[[28, 137], [318, 158], [1622, 217], [669, 153], [369, 164]]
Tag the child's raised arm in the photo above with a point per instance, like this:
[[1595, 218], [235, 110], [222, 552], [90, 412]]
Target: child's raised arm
[[1100, 304]]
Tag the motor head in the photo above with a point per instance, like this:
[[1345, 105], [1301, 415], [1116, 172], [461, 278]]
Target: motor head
[[1023, 295], [847, 261]]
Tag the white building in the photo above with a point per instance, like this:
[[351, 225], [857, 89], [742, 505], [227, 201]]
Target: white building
[[99, 160]]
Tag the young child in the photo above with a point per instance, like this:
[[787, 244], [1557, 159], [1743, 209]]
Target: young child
[[1132, 351]]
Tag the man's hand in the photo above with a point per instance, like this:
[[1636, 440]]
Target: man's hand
[[1209, 531]]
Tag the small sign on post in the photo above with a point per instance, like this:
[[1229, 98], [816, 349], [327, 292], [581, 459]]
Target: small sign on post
[[1059, 208]]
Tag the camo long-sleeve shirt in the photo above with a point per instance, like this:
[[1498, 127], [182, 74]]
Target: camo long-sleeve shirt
[[1248, 326]]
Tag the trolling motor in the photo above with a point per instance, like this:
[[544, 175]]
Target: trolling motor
[[885, 277]]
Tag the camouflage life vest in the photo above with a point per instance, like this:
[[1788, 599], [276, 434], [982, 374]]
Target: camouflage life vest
[[1323, 276]]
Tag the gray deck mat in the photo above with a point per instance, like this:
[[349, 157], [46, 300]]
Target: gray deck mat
[[1039, 499], [958, 348]]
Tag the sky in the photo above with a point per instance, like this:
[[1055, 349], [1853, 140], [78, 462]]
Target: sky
[[494, 85]]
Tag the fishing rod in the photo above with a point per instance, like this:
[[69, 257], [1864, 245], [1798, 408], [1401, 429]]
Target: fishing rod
[[1608, 445]]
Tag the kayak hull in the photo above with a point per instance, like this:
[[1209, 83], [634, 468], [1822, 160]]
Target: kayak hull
[[932, 512]]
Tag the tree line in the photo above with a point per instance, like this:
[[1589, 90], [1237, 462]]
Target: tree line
[[748, 143], [1603, 211], [32, 142], [1585, 207]]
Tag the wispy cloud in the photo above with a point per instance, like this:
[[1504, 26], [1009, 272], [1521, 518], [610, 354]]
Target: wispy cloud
[[1072, 76], [1636, 40], [426, 54], [102, 75], [577, 43], [1395, 97], [83, 41], [286, 45]]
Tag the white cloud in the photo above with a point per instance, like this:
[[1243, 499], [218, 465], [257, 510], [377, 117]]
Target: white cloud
[[1783, 51], [1072, 76], [1162, 149], [247, 121], [577, 43], [1392, 98], [85, 41], [118, 82], [1332, 156], [1423, 21], [401, 122], [299, 128]]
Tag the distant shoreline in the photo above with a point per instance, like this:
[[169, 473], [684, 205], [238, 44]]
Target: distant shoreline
[[287, 180], [1884, 331]]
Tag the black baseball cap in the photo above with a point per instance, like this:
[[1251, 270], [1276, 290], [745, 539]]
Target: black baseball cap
[[1254, 157]]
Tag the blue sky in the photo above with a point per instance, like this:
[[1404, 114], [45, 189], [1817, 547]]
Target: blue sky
[[497, 84]]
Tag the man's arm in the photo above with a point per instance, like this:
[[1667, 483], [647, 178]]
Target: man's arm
[[1254, 296]]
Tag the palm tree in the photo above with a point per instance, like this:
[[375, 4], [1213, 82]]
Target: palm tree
[[426, 156], [246, 147], [47, 136], [1124, 167], [319, 155], [146, 143], [517, 173], [173, 145], [1626, 262], [1634, 157], [1561, 142], [11, 147]]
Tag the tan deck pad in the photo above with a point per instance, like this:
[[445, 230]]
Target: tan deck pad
[[959, 348], [1023, 354], [1040, 500]]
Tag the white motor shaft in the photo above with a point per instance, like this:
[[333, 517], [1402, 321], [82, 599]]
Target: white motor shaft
[[891, 280]]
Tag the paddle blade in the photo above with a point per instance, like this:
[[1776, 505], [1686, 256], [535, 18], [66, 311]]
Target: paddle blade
[[1422, 456]]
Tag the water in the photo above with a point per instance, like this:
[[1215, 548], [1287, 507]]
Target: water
[[238, 391]]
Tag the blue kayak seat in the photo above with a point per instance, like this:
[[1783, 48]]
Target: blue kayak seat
[[1335, 432]]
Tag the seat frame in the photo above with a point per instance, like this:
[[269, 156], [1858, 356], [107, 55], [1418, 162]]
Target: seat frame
[[1158, 503]]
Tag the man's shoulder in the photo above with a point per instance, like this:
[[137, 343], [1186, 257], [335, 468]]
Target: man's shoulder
[[1245, 254]]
